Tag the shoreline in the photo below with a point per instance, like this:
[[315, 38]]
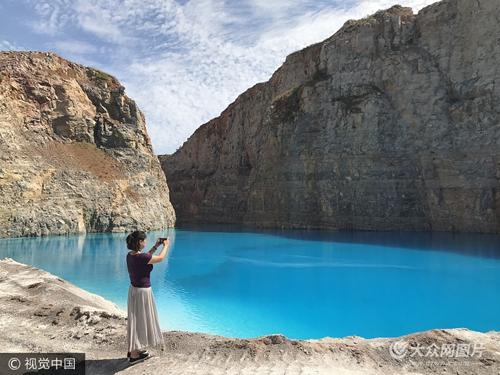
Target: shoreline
[[53, 315]]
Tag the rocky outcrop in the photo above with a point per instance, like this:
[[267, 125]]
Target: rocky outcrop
[[392, 123], [75, 155]]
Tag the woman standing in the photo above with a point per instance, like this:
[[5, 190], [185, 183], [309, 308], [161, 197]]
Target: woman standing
[[143, 328]]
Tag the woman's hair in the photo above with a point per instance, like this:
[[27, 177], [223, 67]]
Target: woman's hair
[[134, 238]]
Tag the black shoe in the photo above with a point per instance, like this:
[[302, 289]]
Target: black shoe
[[142, 357], [140, 351]]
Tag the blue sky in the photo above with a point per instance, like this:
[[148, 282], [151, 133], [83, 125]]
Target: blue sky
[[182, 61]]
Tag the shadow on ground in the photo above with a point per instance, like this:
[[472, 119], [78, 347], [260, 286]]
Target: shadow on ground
[[106, 366]]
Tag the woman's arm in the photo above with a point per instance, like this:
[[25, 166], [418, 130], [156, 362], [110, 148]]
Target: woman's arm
[[155, 247], [158, 258]]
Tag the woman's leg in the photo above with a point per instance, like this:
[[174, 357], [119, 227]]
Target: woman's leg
[[135, 326], [129, 316], [131, 324]]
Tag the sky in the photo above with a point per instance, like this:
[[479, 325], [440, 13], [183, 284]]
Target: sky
[[182, 61]]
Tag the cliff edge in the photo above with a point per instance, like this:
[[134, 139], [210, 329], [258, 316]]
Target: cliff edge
[[390, 124], [75, 155]]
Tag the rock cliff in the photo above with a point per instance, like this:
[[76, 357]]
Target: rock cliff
[[75, 155], [390, 124]]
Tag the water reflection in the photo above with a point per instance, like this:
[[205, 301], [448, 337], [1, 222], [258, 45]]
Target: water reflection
[[480, 244]]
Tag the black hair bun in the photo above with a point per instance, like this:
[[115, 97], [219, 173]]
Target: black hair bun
[[134, 238]]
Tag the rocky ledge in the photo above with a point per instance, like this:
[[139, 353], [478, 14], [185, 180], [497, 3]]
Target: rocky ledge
[[390, 124], [75, 155], [40, 312]]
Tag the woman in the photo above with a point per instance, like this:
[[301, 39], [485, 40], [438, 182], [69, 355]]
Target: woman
[[143, 328]]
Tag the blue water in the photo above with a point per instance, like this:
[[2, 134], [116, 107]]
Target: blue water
[[301, 284]]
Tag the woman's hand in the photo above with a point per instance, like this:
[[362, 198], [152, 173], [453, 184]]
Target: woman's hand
[[163, 253], [155, 246]]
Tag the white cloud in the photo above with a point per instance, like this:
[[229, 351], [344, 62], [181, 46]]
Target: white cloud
[[5, 45], [54, 15], [100, 21], [184, 64], [75, 47]]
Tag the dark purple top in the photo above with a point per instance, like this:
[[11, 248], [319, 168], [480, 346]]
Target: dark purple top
[[139, 269]]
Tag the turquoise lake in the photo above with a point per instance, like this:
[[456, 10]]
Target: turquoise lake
[[303, 284]]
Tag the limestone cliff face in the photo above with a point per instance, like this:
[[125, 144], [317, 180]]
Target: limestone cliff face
[[393, 123], [75, 155]]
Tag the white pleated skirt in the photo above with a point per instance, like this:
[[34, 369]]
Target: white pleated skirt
[[143, 326]]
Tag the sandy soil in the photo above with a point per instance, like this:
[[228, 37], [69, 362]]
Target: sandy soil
[[41, 312]]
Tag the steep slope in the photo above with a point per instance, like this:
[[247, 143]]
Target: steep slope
[[75, 155], [390, 124]]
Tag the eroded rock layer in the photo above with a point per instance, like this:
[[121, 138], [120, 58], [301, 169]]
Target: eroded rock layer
[[75, 155], [390, 124]]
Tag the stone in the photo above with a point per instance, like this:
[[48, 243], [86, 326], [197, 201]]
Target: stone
[[75, 153], [392, 123]]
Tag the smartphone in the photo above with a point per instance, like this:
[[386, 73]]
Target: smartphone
[[165, 238]]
